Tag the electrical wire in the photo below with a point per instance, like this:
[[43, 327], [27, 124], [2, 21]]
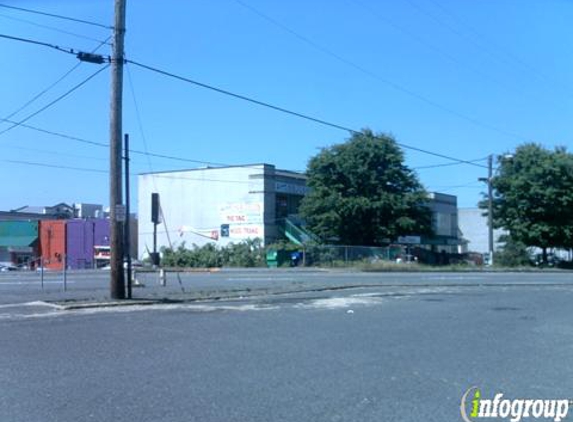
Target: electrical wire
[[51, 28], [502, 51], [54, 15], [444, 53], [52, 152], [61, 97], [32, 163], [60, 79], [138, 117], [57, 134], [432, 166], [290, 112], [394, 85], [106, 145], [44, 44]]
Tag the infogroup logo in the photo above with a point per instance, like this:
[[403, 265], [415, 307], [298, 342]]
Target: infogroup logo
[[474, 407]]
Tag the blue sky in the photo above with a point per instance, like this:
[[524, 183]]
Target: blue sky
[[457, 77]]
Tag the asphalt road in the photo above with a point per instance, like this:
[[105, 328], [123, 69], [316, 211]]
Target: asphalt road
[[385, 353], [19, 287]]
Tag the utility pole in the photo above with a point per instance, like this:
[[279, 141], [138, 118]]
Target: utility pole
[[489, 181], [490, 206], [127, 228], [117, 282]]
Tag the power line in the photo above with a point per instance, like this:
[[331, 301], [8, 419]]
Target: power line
[[502, 51], [106, 145], [53, 15], [290, 112], [44, 44], [44, 91], [431, 166], [93, 170], [138, 116], [51, 28], [423, 41], [57, 134], [61, 97], [52, 152], [32, 163], [388, 82]]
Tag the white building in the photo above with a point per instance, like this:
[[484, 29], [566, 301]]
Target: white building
[[221, 204], [474, 230]]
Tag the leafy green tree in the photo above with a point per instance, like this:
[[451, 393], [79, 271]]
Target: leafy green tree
[[533, 196], [513, 254], [363, 194]]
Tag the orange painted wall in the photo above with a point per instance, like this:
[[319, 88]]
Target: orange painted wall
[[53, 243]]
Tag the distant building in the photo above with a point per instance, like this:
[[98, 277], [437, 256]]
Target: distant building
[[230, 204], [475, 232], [54, 235], [223, 204], [18, 242], [444, 209], [82, 210]]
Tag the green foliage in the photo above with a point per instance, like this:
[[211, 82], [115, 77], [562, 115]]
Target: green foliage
[[533, 196], [513, 254], [363, 194], [248, 253]]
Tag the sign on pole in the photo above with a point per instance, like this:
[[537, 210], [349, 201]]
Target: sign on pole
[[120, 213]]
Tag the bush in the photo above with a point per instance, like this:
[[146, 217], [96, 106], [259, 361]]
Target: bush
[[513, 254], [248, 253]]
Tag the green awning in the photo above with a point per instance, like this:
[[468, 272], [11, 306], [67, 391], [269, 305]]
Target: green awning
[[17, 241]]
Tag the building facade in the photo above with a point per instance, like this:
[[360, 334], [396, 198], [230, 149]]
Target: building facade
[[475, 233], [226, 204], [231, 204]]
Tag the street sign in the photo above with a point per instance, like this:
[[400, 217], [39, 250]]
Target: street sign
[[120, 213]]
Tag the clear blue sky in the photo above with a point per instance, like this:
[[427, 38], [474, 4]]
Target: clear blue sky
[[465, 78]]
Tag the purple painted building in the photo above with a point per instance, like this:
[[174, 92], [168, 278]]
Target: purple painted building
[[83, 237], [79, 244], [101, 232]]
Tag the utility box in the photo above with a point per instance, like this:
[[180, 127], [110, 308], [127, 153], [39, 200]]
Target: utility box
[[277, 258]]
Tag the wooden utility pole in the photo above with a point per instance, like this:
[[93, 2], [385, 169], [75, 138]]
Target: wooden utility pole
[[490, 207], [127, 228], [117, 283]]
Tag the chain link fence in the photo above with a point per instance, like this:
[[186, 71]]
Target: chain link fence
[[341, 256]]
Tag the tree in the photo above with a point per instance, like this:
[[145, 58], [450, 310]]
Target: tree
[[361, 193], [533, 196], [513, 254]]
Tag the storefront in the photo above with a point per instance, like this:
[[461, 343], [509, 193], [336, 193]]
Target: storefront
[[18, 243]]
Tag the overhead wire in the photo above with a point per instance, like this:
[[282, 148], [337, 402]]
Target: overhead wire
[[60, 79], [56, 166], [444, 53], [42, 43], [394, 85], [58, 99], [431, 166], [51, 28], [291, 112], [57, 16], [106, 145], [503, 51]]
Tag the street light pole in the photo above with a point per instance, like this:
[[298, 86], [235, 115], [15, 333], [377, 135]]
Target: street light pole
[[489, 181], [117, 282], [490, 206]]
